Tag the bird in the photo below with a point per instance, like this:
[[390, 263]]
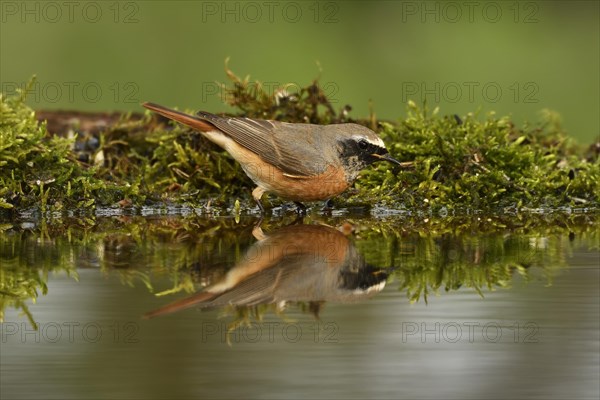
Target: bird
[[296, 161], [295, 263]]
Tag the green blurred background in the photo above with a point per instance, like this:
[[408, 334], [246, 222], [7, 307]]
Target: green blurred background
[[515, 58]]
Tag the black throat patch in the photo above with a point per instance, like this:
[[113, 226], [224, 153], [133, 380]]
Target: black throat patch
[[355, 155]]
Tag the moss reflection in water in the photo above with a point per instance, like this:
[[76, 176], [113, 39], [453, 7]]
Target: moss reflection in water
[[26, 259], [421, 256]]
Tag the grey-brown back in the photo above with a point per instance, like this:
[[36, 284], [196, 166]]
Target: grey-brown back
[[296, 149]]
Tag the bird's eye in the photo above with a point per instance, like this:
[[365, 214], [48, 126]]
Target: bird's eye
[[363, 144]]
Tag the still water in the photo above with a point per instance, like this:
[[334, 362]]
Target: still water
[[335, 307]]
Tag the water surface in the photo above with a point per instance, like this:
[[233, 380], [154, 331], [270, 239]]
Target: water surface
[[339, 307]]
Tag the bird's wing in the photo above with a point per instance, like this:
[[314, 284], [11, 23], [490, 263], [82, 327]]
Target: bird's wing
[[257, 289], [261, 287], [296, 149]]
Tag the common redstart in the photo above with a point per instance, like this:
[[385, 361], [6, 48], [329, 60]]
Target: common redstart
[[298, 162], [297, 263]]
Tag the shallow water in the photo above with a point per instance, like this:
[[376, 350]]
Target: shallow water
[[386, 311]]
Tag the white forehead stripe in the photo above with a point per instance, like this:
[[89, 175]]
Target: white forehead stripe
[[373, 139], [372, 289]]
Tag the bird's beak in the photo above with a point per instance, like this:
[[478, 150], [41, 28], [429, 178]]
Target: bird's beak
[[386, 157]]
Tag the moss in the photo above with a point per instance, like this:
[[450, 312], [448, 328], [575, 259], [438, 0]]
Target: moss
[[464, 163], [459, 164], [38, 169]]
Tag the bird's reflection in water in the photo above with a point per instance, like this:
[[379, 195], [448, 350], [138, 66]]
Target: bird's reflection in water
[[297, 263]]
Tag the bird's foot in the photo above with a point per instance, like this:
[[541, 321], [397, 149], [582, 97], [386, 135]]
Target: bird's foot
[[300, 208]]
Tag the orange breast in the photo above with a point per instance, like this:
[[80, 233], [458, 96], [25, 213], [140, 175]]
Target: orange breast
[[320, 187]]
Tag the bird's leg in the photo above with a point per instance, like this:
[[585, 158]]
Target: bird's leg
[[257, 230], [258, 233], [260, 207], [299, 220], [257, 194]]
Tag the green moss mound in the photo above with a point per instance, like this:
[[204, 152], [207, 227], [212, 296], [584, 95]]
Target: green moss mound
[[458, 163]]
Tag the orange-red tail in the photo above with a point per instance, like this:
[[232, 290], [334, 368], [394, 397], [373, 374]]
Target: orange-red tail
[[180, 304], [186, 119]]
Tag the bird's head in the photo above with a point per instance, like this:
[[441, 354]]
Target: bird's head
[[361, 147]]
